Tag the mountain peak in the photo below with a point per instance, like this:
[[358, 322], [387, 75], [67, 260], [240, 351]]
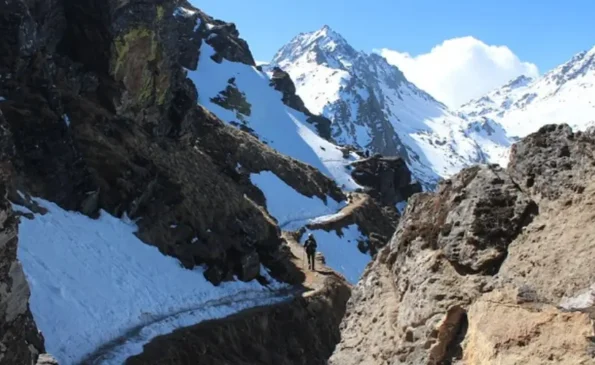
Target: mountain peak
[[520, 81], [322, 42]]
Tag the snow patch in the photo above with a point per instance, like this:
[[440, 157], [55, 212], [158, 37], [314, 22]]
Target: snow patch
[[291, 209], [66, 120], [401, 207], [135, 340], [94, 280], [327, 218], [184, 12]]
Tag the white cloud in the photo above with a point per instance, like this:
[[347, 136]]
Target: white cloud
[[460, 69]]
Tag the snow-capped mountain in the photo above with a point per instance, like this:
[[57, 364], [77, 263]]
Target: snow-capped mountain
[[373, 106], [565, 94]]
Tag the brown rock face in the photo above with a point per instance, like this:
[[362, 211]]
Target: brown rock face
[[474, 276]]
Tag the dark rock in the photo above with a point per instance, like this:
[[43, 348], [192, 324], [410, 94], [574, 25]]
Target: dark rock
[[90, 205], [20, 342], [225, 39], [233, 99], [215, 274], [388, 178], [135, 132], [282, 82], [553, 160], [472, 220], [479, 226], [249, 266]]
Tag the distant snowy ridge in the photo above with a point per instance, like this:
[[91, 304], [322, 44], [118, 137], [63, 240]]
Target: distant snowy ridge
[[373, 106], [565, 94]]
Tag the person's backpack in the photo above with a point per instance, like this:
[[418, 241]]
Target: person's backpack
[[311, 245]]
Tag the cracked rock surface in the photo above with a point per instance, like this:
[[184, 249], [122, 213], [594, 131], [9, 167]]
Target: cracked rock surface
[[489, 269]]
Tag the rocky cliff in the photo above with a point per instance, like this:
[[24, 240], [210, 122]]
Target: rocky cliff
[[100, 128], [20, 342], [492, 268], [100, 114]]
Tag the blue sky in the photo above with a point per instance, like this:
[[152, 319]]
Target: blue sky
[[544, 32]]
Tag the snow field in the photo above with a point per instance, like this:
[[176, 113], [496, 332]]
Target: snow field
[[93, 280]]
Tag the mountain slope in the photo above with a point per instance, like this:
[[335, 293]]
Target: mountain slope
[[563, 95], [372, 105]]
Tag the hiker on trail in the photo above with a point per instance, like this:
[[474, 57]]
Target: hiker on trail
[[310, 247]]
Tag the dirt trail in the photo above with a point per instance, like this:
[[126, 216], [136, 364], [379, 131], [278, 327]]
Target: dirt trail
[[315, 280]]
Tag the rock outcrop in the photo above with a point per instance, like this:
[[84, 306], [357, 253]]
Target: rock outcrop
[[488, 270], [387, 178], [282, 82], [554, 161], [20, 342]]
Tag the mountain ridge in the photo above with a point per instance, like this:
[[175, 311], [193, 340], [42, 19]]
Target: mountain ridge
[[523, 105], [372, 105]]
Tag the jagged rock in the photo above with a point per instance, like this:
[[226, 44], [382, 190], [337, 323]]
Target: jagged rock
[[225, 39], [20, 342], [233, 99], [91, 204], [485, 212], [388, 178], [215, 274], [406, 298], [281, 81], [426, 298], [553, 160]]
